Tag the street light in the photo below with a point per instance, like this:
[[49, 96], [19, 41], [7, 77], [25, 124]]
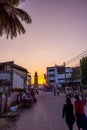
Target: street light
[[65, 72]]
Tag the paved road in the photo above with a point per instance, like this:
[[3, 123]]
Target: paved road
[[46, 114]]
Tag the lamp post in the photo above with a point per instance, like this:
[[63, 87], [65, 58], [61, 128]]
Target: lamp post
[[65, 72]]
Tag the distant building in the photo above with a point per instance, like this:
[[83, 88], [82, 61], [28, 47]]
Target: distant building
[[36, 80], [58, 75]]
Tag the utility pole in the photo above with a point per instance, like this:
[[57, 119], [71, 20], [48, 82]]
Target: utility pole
[[65, 72], [45, 78]]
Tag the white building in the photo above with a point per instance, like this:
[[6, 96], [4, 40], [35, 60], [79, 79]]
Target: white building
[[58, 75]]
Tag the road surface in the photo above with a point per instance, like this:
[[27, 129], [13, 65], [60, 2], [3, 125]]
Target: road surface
[[45, 114]]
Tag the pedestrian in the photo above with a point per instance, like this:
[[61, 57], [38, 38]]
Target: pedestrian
[[37, 91], [68, 113], [80, 114], [83, 97], [54, 91], [32, 93], [57, 91]]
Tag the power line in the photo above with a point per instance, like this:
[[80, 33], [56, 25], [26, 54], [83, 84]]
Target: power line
[[78, 57]]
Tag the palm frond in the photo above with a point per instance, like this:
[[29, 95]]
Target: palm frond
[[10, 27], [15, 27], [10, 20], [12, 2], [23, 15]]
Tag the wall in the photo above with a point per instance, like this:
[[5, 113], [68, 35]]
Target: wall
[[5, 75], [18, 81]]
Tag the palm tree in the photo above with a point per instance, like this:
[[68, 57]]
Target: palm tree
[[10, 17]]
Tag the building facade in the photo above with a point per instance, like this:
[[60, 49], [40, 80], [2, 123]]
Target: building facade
[[62, 76], [14, 80], [16, 75], [58, 75]]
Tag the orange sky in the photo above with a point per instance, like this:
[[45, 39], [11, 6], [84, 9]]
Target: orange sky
[[58, 33]]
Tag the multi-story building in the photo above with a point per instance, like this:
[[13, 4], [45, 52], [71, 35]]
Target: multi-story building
[[58, 75], [63, 76]]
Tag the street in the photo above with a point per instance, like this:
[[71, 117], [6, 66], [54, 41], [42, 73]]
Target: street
[[45, 114]]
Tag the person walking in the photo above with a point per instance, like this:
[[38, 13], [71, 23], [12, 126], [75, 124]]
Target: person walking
[[83, 97], [68, 113], [80, 114], [55, 91]]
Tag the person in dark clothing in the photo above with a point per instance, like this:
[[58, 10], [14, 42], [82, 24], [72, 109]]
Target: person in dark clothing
[[68, 113]]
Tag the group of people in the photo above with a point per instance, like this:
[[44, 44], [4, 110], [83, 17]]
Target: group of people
[[24, 99], [79, 114], [28, 98]]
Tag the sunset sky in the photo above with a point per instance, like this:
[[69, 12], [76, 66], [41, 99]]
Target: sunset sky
[[58, 33]]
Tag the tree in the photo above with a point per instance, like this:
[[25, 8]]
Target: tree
[[83, 70], [75, 74], [10, 17]]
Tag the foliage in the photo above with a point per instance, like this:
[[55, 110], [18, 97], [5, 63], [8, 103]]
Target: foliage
[[75, 73], [83, 70], [11, 2], [75, 78], [10, 17]]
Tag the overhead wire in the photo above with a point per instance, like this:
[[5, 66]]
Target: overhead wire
[[78, 57]]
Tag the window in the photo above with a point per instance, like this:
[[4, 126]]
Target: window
[[51, 75], [51, 81], [1, 67], [50, 70], [61, 70]]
